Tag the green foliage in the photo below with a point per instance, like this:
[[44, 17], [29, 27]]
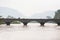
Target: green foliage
[[1, 22], [57, 14]]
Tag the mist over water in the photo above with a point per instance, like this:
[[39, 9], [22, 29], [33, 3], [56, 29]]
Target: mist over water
[[33, 31]]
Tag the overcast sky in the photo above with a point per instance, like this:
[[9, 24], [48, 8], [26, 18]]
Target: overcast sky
[[29, 7]]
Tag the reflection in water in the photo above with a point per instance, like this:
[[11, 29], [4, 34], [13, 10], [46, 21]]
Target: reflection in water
[[30, 32]]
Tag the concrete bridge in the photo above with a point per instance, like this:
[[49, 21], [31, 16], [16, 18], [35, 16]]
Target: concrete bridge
[[26, 21]]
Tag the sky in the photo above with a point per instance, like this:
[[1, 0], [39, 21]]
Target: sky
[[29, 7]]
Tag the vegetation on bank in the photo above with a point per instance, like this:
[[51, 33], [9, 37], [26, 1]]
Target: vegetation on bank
[[14, 22], [57, 14]]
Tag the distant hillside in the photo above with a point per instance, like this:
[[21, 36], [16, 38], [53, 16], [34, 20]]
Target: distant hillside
[[44, 15], [4, 11]]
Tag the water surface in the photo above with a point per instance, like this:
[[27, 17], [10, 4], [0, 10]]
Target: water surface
[[33, 31]]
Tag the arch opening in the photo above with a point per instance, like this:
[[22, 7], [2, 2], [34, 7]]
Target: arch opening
[[51, 23], [33, 23], [16, 22]]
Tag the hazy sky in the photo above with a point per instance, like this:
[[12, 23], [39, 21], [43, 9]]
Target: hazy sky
[[29, 7]]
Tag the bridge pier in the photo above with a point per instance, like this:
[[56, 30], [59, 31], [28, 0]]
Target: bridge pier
[[42, 24], [25, 24], [58, 24], [7, 23]]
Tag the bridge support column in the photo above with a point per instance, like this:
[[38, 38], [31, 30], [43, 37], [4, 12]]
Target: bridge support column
[[58, 24], [42, 24], [25, 24], [7, 23]]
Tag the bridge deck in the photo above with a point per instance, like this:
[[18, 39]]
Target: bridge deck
[[25, 21]]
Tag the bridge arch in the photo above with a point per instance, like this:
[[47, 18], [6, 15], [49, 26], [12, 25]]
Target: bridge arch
[[51, 22], [8, 22], [33, 21], [26, 21], [16, 22]]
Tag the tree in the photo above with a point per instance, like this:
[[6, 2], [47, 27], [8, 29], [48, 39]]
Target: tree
[[1, 20], [57, 14]]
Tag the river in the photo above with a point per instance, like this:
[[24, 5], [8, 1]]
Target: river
[[33, 31]]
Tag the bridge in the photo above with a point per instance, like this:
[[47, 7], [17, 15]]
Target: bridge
[[26, 21]]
